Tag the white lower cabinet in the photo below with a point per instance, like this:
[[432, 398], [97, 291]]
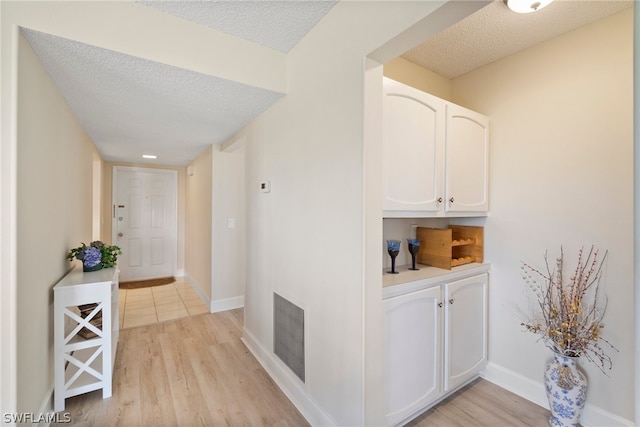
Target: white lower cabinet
[[413, 344], [465, 337], [435, 342]]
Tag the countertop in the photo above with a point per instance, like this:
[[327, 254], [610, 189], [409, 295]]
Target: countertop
[[408, 280]]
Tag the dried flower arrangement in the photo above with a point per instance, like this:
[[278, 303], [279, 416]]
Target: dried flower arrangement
[[569, 312]]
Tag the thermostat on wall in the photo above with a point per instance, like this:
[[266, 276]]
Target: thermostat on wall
[[265, 186]]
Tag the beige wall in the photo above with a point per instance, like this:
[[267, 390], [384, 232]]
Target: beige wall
[[561, 174], [228, 261], [107, 204], [54, 210], [198, 194], [216, 253], [401, 70]]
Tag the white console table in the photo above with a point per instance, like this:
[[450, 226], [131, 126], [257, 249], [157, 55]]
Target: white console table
[[83, 365]]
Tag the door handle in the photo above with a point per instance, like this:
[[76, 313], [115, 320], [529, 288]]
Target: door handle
[[120, 234]]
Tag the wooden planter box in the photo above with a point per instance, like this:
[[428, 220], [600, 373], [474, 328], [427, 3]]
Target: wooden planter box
[[449, 247]]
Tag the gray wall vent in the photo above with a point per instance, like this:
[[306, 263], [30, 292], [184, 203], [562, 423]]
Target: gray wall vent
[[288, 334]]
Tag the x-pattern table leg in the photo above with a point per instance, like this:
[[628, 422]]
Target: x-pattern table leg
[[82, 322]]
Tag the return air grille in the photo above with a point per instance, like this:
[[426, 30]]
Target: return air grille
[[288, 334]]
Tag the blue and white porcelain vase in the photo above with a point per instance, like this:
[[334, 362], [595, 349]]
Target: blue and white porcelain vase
[[566, 390]]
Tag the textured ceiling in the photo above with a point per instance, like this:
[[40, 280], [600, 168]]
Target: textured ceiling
[[277, 24], [495, 32], [130, 106]]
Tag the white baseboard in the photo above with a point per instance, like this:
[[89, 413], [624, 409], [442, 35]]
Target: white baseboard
[[533, 391], [196, 288], [516, 383], [288, 382], [226, 304], [46, 407], [216, 306]]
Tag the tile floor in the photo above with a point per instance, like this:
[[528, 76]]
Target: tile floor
[[139, 307]]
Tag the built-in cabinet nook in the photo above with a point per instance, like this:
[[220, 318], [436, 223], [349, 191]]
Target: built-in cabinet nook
[[435, 178]]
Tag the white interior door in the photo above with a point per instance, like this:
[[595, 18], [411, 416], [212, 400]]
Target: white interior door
[[145, 221]]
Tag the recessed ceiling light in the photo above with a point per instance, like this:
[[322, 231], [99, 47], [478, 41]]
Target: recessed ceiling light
[[526, 6], [149, 156]]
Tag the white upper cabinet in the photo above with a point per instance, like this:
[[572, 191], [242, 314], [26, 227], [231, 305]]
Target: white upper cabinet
[[413, 153], [434, 155], [467, 160]]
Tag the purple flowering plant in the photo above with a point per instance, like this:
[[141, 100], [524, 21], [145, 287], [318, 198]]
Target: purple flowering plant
[[97, 252], [91, 256]]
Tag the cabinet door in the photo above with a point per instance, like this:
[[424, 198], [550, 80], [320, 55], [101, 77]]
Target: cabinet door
[[413, 149], [467, 188], [465, 329], [412, 352]]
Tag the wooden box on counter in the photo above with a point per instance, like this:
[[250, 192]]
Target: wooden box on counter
[[449, 247]]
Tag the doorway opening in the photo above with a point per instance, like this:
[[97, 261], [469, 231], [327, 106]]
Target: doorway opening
[[144, 221]]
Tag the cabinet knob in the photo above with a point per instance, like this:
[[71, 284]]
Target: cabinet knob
[[451, 301], [439, 199], [451, 200], [439, 305]]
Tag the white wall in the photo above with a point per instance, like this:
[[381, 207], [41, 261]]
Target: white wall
[[228, 253], [215, 253], [561, 174], [306, 236]]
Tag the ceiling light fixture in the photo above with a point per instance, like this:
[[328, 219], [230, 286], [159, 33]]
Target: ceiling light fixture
[[526, 6], [149, 156]]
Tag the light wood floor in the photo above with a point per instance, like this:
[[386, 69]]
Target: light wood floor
[[481, 404], [195, 371]]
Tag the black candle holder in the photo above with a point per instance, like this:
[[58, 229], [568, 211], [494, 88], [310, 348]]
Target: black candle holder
[[393, 247], [414, 247]]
